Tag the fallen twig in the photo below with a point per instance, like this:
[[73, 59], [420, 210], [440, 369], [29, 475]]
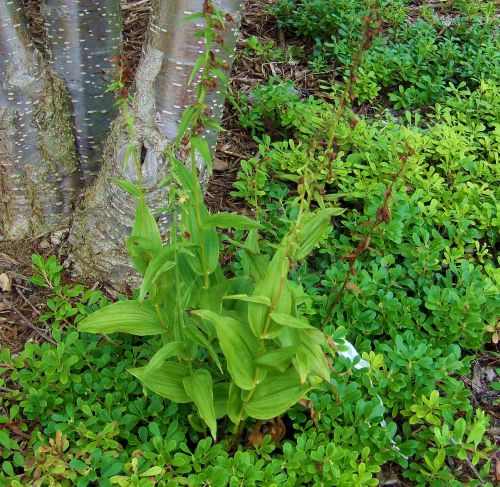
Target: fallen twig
[[27, 323]]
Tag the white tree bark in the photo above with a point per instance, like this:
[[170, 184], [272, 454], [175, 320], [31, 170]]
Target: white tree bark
[[38, 164], [53, 121], [84, 38], [161, 94]]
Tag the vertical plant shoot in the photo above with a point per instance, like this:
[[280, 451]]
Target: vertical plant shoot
[[180, 44]]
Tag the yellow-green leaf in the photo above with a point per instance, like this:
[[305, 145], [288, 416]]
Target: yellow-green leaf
[[239, 346], [277, 359], [275, 395], [199, 387], [132, 317], [229, 220], [271, 287], [166, 380], [285, 319]]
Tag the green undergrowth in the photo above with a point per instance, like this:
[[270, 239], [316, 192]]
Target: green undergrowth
[[420, 305], [90, 424], [418, 51]]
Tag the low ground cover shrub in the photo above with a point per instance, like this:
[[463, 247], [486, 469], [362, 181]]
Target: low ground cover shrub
[[419, 51]]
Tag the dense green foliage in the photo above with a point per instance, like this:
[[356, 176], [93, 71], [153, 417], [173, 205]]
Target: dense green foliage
[[423, 300], [420, 51]]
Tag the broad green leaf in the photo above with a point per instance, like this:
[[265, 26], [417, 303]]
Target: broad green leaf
[[284, 319], [124, 317], [275, 395], [235, 404], [158, 265], [277, 359], [152, 277], [251, 299], [166, 380], [194, 333], [165, 352], [310, 234], [206, 239], [145, 227], [311, 361], [239, 346], [128, 187], [228, 220], [199, 387], [201, 146], [271, 287], [221, 394]]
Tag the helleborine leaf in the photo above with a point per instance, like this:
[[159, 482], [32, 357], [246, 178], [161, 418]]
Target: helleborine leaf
[[128, 187], [235, 404], [239, 346], [184, 123], [271, 287], [152, 277], [165, 352], [201, 146], [192, 331], [158, 265], [206, 239], [229, 220], [250, 299], [311, 361], [199, 387], [184, 176], [166, 380], [285, 319], [196, 67], [132, 317], [277, 393], [310, 234], [145, 227], [277, 359], [221, 394]]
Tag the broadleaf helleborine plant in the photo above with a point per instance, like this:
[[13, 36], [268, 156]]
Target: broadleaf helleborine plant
[[232, 346]]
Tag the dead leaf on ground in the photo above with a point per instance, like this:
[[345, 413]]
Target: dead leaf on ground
[[5, 282]]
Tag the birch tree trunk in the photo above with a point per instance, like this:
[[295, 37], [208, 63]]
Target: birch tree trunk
[[54, 119], [84, 38], [162, 93], [38, 163]]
